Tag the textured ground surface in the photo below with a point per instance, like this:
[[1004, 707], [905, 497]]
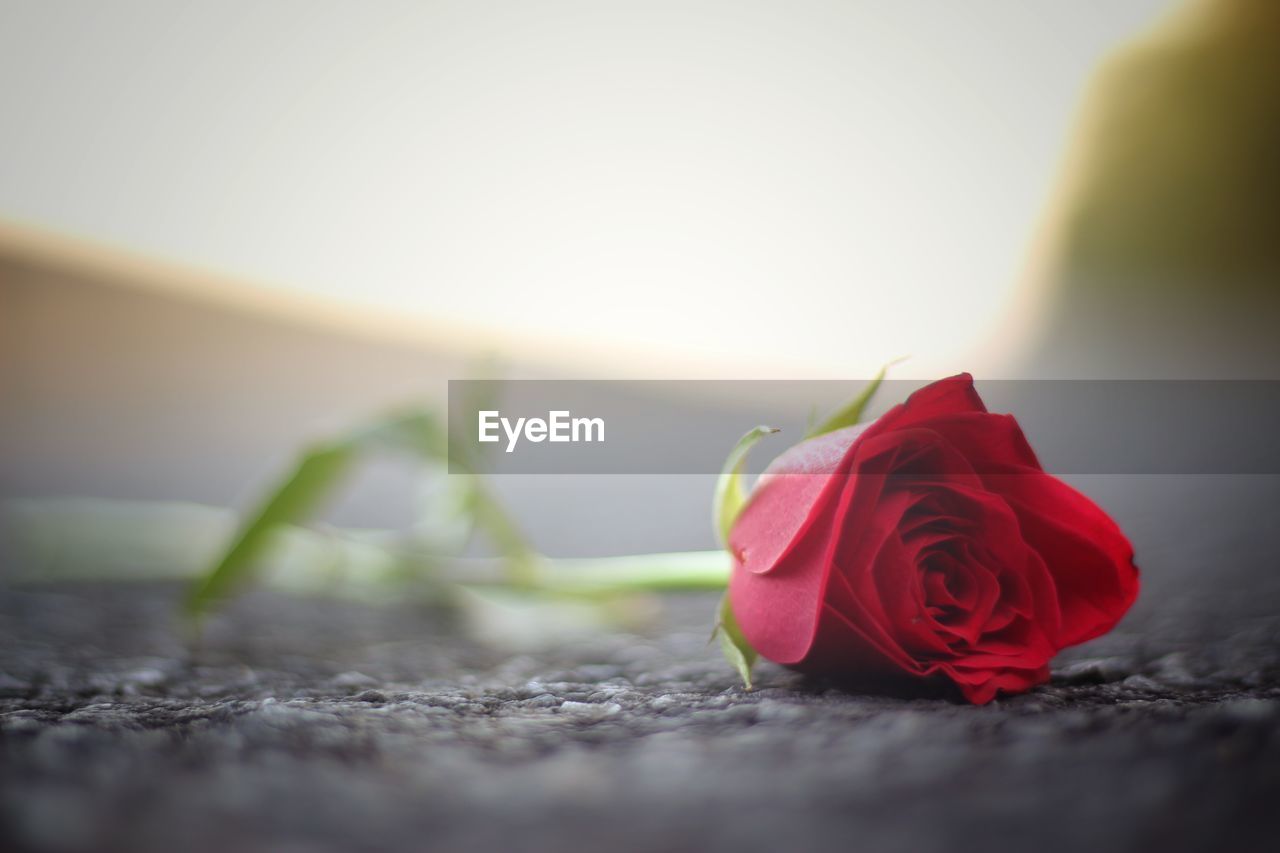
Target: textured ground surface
[[306, 725]]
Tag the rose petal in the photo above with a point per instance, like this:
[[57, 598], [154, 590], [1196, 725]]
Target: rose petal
[[928, 543], [1089, 559], [981, 685], [985, 439], [948, 396], [790, 496]]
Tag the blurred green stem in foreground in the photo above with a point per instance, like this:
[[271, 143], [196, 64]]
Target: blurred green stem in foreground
[[430, 554], [86, 539]]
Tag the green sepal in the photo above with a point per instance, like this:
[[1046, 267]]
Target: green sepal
[[851, 413], [730, 493], [737, 651]]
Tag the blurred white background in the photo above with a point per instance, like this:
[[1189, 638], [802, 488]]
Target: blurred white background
[[760, 188]]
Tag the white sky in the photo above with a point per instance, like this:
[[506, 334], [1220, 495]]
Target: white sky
[[828, 185]]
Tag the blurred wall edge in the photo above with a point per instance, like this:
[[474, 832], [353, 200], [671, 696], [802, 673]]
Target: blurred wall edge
[[125, 378]]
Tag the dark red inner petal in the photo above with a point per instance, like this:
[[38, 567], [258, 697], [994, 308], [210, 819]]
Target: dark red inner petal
[[975, 592]]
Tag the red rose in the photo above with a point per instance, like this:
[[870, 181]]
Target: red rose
[[929, 543]]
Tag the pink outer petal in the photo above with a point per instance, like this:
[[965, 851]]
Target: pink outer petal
[[781, 544], [777, 611], [789, 498]]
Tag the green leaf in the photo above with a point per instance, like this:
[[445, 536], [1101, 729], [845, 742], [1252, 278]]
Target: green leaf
[[306, 488], [730, 493], [317, 475], [298, 496], [737, 651], [851, 413]]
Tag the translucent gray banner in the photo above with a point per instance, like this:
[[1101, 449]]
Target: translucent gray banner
[[688, 427]]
